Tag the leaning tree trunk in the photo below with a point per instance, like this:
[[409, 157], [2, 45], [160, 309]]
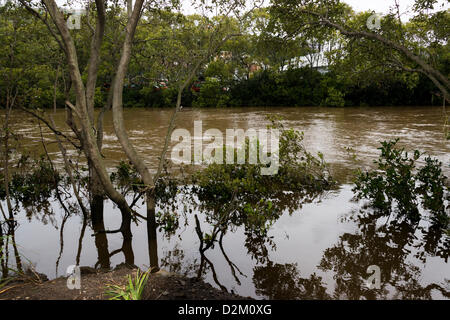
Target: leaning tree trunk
[[84, 104], [119, 127]]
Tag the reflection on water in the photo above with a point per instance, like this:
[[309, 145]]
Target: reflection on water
[[320, 251], [319, 245], [399, 248]]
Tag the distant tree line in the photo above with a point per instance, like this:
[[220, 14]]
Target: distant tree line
[[294, 87], [273, 59]]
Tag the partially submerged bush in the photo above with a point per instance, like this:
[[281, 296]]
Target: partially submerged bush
[[298, 170], [33, 181], [398, 181], [239, 193], [255, 200]]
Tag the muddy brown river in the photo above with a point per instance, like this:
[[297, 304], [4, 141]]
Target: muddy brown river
[[320, 250]]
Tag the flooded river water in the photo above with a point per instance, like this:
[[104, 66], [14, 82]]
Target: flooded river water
[[318, 251]]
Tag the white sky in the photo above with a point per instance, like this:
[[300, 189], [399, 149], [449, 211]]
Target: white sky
[[379, 6], [382, 6]]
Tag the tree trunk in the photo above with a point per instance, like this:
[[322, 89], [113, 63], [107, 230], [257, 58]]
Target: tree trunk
[[119, 127], [151, 232], [84, 106], [101, 240]]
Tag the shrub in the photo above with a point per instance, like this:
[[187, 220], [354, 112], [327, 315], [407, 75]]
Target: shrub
[[34, 181], [240, 193], [212, 94], [397, 181], [335, 98]]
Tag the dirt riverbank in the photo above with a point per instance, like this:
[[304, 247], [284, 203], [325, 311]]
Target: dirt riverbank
[[160, 286]]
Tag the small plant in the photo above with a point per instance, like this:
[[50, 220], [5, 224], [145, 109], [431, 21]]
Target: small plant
[[397, 180], [133, 290]]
